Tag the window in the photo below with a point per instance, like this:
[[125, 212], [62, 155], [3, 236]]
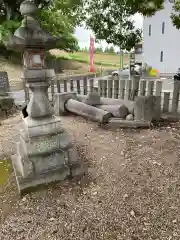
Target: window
[[149, 30], [163, 27], [161, 56]]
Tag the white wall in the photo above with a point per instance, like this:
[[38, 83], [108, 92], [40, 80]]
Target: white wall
[[139, 57], [169, 42]]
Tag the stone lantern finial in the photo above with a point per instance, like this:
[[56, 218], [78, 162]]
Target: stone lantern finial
[[28, 8], [30, 34]]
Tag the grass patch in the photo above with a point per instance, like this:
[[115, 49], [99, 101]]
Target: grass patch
[[82, 59], [5, 170]]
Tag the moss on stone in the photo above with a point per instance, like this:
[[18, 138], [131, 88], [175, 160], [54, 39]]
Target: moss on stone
[[6, 103]]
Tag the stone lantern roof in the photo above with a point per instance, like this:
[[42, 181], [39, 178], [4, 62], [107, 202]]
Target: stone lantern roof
[[30, 34]]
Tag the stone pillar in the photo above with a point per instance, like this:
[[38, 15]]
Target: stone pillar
[[87, 111], [120, 111], [175, 96], [135, 87], [143, 108], [38, 82], [111, 101], [147, 108]]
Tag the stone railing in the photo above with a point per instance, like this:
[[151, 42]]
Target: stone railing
[[119, 88]]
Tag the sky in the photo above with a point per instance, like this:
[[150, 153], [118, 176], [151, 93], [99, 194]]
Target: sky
[[83, 35]]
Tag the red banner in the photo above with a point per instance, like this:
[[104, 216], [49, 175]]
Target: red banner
[[91, 51]]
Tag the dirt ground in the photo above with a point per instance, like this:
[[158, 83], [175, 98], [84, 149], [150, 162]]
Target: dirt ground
[[131, 191]]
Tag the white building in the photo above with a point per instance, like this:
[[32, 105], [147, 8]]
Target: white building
[[161, 45]]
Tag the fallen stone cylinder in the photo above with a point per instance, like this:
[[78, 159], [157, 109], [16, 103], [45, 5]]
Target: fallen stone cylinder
[[60, 100], [111, 101], [88, 111], [120, 123], [120, 111]]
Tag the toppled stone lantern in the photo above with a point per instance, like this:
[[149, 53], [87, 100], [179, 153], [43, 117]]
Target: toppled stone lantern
[[45, 152]]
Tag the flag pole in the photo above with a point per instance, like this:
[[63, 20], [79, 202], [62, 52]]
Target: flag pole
[[91, 53]]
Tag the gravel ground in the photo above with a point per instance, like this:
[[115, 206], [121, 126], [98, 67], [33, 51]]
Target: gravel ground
[[9, 134], [131, 191]]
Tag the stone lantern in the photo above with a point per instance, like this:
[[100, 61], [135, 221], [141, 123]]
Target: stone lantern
[[45, 152]]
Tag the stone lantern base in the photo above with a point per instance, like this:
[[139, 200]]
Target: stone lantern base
[[45, 154]]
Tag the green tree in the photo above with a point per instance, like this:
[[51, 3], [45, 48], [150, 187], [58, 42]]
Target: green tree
[[111, 49], [86, 49], [98, 50], [175, 16], [106, 50], [10, 9], [111, 20], [58, 17]]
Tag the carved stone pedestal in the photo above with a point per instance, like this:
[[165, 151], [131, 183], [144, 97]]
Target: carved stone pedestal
[[45, 154]]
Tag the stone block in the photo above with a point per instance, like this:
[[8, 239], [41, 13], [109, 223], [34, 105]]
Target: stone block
[[48, 162], [45, 154], [37, 127], [147, 108], [60, 100], [92, 99], [39, 105], [6, 103], [35, 180], [46, 144], [144, 108], [120, 123], [77, 168], [129, 117], [4, 84], [2, 114], [22, 163], [157, 108]]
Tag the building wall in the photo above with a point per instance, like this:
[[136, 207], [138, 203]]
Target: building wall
[[139, 57], [168, 43]]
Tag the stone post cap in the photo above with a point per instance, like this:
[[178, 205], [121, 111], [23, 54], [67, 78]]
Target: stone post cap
[[28, 8]]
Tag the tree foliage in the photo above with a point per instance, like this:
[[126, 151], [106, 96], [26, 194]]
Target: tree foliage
[[58, 17], [111, 20], [10, 9], [109, 49], [98, 50], [175, 16]]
